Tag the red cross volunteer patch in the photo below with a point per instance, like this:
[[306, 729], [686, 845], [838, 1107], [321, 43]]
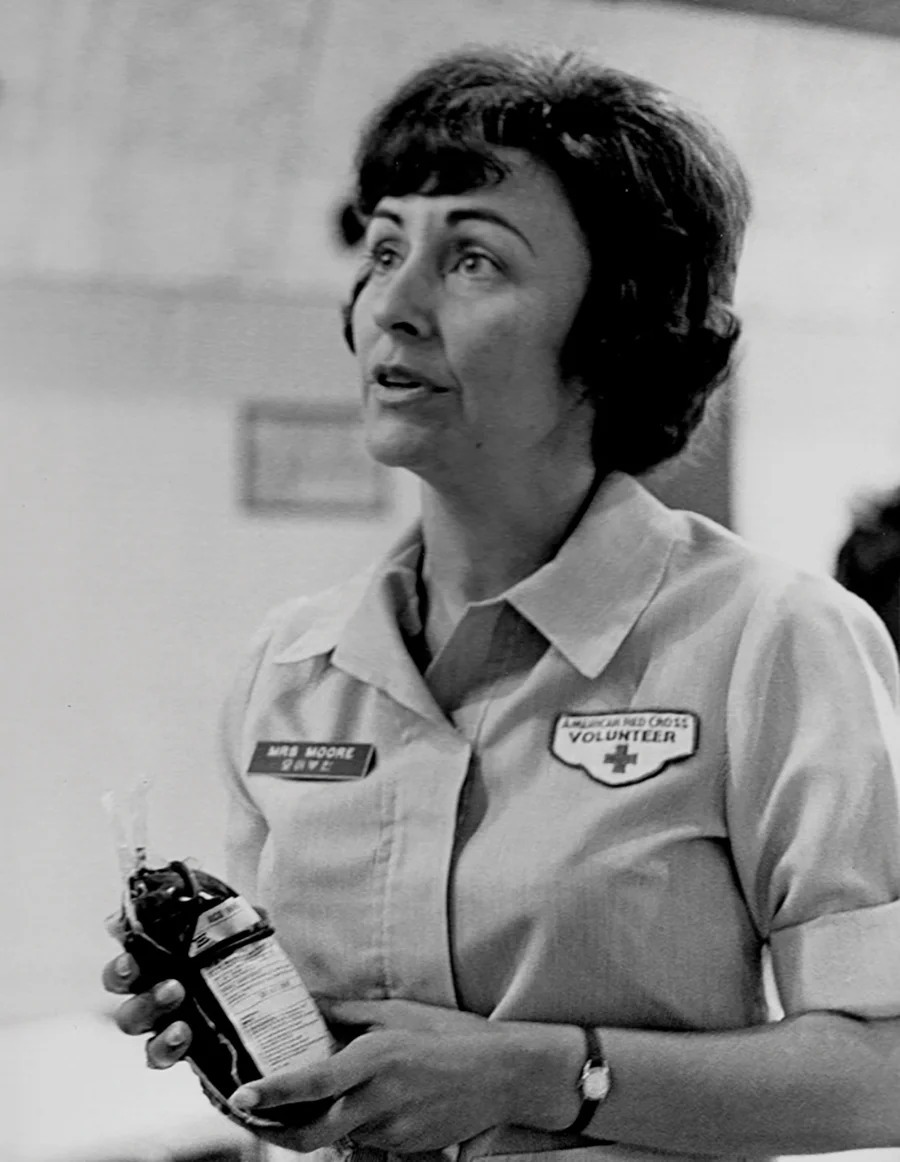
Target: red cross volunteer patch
[[620, 747]]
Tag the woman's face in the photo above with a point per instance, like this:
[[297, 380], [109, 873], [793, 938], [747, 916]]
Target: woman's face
[[460, 327]]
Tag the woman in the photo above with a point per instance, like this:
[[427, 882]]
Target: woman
[[617, 753]]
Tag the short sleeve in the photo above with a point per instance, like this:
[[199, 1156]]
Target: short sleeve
[[813, 796]]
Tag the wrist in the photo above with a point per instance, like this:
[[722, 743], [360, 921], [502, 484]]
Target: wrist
[[540, 1076], [595, 1081]]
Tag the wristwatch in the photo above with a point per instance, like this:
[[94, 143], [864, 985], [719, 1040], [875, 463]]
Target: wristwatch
[[595, 1081]]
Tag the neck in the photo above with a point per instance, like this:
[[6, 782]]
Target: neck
[[481, 541]]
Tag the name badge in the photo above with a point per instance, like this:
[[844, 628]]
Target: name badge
[[624, 746], [312, 760]]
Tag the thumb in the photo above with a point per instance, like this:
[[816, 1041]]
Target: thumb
[[294, 1086], [115, 925]]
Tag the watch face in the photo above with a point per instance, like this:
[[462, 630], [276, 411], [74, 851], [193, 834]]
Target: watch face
[[596, 1083]]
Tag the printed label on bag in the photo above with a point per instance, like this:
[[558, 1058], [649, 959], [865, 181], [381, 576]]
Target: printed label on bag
[[225, 920], [268, 1004]]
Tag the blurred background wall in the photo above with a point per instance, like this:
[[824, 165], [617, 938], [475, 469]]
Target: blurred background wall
[[169, 175]]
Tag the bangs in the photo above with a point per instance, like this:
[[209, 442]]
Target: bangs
[[451, 150], [419, 159]]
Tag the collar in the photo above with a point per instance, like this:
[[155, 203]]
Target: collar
[[361, 625], [585, 601], [333, 613]]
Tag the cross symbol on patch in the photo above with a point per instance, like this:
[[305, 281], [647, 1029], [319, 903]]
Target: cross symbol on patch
[[620, 759]]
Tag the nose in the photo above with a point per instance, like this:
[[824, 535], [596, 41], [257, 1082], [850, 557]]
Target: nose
[[403, 300]]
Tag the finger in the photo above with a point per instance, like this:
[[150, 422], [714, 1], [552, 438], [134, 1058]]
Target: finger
[[356, 1118], [335, 1124], [311, 1083], [170, 1046], [144, 1012], [280, 1090], [303, 1139], [120, 974], [378, 1135], [115, 925]]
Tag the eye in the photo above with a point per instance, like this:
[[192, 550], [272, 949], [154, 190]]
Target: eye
[[475, 263], [382, 255]]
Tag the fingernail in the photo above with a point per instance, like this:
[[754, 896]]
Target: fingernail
[[123, 966], [244, 1099], [167, 992], [176, 1035]]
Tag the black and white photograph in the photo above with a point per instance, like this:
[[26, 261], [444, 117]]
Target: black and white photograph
[[451, 580]]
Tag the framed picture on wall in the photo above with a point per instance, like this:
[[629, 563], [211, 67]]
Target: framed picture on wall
[[307, 459]]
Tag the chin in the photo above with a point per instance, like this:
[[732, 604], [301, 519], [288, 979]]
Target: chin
[[398, 446]]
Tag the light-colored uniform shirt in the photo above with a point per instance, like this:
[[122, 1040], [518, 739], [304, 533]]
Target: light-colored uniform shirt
[[611, 789]]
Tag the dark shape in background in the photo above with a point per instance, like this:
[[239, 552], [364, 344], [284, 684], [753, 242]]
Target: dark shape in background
[[868, 562]]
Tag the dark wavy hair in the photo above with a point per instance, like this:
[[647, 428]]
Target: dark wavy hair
[[868, 561], [660, 199]]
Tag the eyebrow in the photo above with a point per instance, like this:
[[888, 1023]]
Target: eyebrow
[[455, 217]]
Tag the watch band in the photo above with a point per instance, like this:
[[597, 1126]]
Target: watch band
[[594, 1082]]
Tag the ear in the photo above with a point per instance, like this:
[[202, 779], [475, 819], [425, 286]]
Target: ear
[[349, 224]]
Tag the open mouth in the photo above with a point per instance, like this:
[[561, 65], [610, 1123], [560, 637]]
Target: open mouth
[[402, 381], [385, 379]]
